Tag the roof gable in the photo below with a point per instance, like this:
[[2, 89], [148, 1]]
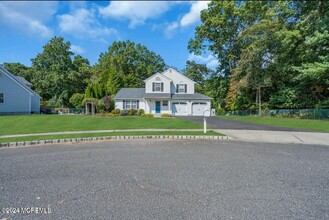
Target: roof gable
[[13, 78], [173, 71], [158, 77]]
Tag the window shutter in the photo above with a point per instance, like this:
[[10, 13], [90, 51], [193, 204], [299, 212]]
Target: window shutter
[[124, 104], [185, 88], [161, 87], [177, 88], [153, 87], [137, 104]]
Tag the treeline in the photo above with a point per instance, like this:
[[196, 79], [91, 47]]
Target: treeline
[[65, 80], [278, 47]]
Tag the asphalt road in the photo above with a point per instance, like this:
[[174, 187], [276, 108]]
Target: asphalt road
[[182, 179], [220, 123]]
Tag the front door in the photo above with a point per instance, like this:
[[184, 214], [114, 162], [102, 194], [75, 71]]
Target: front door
[[157, 106]]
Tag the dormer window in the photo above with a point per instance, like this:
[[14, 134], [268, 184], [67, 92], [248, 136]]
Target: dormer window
[[181, 88], [157, 87]]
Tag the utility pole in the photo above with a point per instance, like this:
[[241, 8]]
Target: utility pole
[[259, 98]]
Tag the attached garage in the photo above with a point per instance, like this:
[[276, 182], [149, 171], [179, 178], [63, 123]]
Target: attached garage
[[198, 108], [179, 108]]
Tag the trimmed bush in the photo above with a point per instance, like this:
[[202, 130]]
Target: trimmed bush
[[124, 112], [116, 111], [148, 115], [140, 112], [166, 115], [132, 112]]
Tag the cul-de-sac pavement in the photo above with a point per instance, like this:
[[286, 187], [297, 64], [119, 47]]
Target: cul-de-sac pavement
[[177, 179]]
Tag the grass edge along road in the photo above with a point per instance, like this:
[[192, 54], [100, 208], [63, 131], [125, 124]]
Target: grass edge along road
[[57, 123], [106, 134], [307, 124]]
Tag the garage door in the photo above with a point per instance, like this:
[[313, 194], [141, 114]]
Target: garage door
[[198, 108], [180, 108]]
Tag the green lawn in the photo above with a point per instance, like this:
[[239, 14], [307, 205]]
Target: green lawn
[[137, 133], [307, 124], [55, 123]]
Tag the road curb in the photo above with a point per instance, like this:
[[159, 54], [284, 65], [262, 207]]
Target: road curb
[[88, 139]]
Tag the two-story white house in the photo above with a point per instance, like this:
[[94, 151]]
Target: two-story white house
[[168, 92]]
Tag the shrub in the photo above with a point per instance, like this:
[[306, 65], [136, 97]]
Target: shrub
[[148, 115], [132, 112], [140, 112], [100, 106], [106, 115], [108, 103], [124, 112], [166, 115], [76, 100], [116, 111]]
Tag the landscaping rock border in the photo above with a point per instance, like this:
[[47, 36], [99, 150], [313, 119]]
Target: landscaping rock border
[[88, 139]]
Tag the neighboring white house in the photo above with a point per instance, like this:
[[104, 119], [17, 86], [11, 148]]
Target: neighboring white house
[[168, 92], [16, 95]]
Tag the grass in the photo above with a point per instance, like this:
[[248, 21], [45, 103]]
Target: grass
[[138, 133], [307, 124], [56, 123]]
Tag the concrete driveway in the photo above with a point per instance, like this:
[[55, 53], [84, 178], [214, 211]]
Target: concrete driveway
[[148, 179]]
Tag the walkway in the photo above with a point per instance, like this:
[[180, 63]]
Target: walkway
[[285, 137]]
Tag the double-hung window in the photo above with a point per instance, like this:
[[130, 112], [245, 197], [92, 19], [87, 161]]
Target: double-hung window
[[130, 104], [157, 87], [2, 97], [181, 88]]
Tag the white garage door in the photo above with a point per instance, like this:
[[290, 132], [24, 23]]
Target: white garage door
[[179, 108], [198, 108]]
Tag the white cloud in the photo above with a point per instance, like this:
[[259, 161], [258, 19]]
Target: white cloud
[[137, 12], [77, 49], [194, 15], [188, 19], [170, 29], [210, 61], [83, 23], [28, 17]]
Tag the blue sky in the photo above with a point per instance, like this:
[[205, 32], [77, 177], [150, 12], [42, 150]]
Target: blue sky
[[164, 27]]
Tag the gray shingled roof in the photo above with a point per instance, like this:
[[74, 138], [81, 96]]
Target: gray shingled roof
[[190, 96], [158, 95], [130, 93], [139, 93], [24, 81]]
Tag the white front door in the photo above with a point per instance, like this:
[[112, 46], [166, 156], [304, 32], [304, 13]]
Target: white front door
[[179, 108], [198, 108]]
